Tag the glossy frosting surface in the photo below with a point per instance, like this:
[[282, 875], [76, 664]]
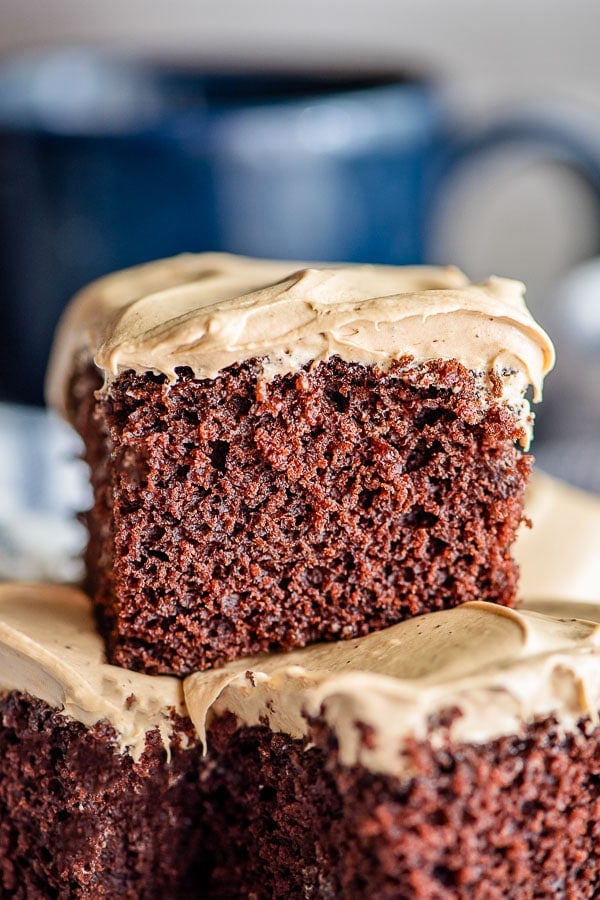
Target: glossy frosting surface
[[499, 668], [211, 310]]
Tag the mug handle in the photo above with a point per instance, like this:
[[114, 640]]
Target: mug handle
[[553, 135]]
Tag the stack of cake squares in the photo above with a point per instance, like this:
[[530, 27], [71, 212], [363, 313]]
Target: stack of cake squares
[[301, 670]]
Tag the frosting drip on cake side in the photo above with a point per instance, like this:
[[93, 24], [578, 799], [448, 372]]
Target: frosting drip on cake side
[[499, 668], [49, 649], [210, 311]]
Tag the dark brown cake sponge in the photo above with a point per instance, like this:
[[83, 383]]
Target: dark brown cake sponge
[[267, 817], [513, 819], [235, 516], [80, 820]]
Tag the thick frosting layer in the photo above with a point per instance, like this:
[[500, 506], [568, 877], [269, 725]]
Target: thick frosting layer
[[49, 648], [499, 668], [209, 311], [154, 294]]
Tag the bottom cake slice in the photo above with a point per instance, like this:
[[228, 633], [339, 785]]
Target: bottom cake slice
[[453, 755], [93, 771]]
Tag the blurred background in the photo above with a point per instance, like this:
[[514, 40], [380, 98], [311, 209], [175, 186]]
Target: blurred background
[[389, 131]]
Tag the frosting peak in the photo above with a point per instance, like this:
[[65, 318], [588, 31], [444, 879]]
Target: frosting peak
[[209, 311]]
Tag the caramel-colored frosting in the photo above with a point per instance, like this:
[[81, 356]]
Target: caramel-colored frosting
[[49, 649], [499, 668], [211, 310]]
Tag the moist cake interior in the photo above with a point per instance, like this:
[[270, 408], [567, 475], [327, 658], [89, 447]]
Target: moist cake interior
[[231, 519]]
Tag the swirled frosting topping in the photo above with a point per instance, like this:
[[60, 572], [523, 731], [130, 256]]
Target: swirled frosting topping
[[209, 311], [499, 669]]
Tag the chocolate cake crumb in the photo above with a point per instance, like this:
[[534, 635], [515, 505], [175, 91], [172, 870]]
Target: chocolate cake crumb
[[513, 818], [80, 820], [269, 817], [237, 516]]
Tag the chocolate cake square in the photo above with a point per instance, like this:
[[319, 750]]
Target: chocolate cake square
[[452, 756], [455, 755], [283, 460]]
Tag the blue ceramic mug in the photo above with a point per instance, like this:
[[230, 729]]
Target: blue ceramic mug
[[105, 163]]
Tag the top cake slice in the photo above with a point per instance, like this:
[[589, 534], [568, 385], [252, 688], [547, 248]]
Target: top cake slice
[[286, 456]]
